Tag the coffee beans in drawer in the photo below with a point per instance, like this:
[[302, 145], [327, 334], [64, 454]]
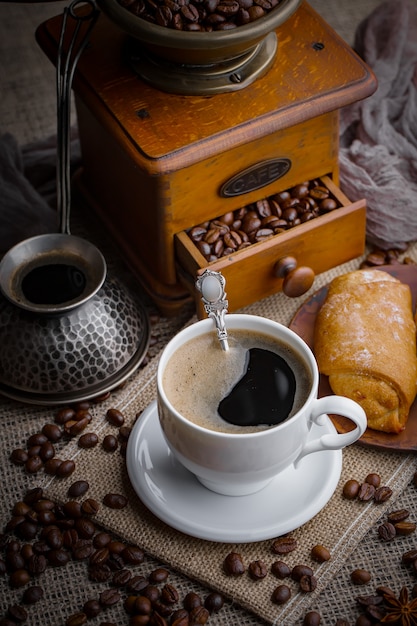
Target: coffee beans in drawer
[[255, 222]]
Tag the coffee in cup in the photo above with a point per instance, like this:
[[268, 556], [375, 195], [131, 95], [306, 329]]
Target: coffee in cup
[[236, 459], [258, 383]]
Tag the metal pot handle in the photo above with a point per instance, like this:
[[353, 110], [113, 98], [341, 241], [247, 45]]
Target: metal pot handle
[[65, 68]]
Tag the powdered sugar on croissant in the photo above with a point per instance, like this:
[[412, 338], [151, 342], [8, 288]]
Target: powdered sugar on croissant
[[365, 342]]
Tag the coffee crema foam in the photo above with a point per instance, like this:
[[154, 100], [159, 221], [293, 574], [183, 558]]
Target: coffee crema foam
[[200, 374]]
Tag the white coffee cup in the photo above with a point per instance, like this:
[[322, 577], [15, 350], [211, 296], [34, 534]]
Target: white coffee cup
[[239, 464]]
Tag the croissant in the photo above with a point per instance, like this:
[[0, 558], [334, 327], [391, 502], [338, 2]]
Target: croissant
[[365, 342]]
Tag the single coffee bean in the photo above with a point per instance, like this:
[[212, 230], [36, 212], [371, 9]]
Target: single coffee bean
[[320, 553], [257, 570], [366, 492], [90, 507], [92, 608], [115, 417], [99, 573], [34, 464], [158, 575], [109, 597], [58, 558], [382, 494], [52, 432], [121, 578], [132, 555], [301, 570], [136, 584], [85, 527], [100, 556], [192, 600], [386, 531], [169, 594], [360, 576], [284, 545], [398, 516], [72, 509], [65, 469], [110, 443], [17, 613], [19, 456], [351, 489], [308, 583], [141, 605], [32, 594], [82, 550], [51, 466], [312, 618], [19, 578], [76, 619], [88, 440], [199, 615], [152, 593], [115, 501], [214, 602], [78, 488], [36, 440], [64, 415], [233, 564], [280, 569], [281, 594], [409, 557], [373, 479], [404, 528]]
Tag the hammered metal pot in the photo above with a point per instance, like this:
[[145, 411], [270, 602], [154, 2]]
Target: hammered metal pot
[[198, 48], [74, 355]]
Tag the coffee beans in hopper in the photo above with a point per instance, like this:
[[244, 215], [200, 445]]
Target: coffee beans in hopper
[[196, 16]]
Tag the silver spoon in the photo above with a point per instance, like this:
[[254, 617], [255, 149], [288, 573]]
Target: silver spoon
[[211, 285]]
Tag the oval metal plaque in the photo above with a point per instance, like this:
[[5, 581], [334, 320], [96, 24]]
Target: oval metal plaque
[[255, 177]]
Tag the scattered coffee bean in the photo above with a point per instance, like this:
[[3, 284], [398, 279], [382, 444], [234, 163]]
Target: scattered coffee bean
[[214, 602], [115, 417], [65, 469], [360, 577], [88, 440], [366, 492], [32, 594], [312, 618], [351, 489], [405, 528], [115, 501], [92, 608], [110, 443], [320, 553], [284, 545], [308, 583], [386, 531], [257, 570], [17, 613], [373, 479], [233, 564], [77, 619], [398, 516], [281, 594], [158, 575], [301, 570], [78, 488], [90, 507], [280, 569], [382, 494]]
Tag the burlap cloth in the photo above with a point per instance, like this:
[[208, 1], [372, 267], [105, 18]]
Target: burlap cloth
[[341, 525]]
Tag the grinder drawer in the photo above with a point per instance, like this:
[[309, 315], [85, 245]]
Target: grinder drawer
[[287, 261]]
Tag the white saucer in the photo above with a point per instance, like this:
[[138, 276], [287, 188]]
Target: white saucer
[[177, 498]]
